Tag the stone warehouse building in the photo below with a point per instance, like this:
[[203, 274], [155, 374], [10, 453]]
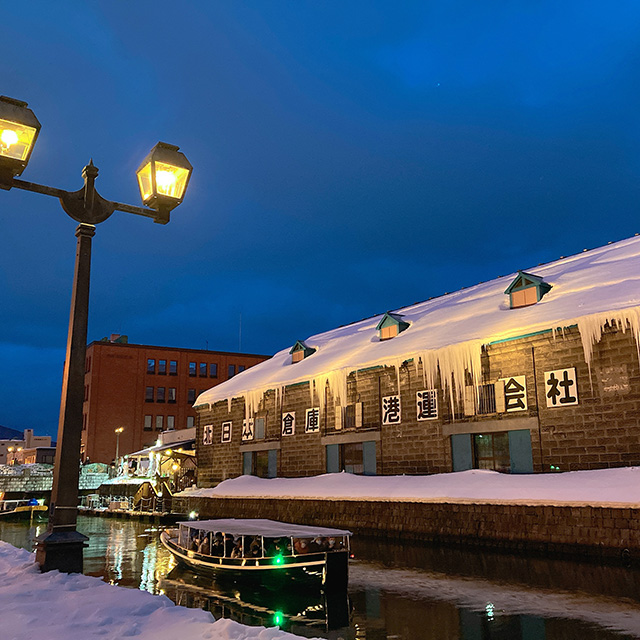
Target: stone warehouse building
[[531, 372]]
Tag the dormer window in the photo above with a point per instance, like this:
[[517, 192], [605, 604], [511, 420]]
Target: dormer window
[[300, 351], [391, 325], [526, 289]]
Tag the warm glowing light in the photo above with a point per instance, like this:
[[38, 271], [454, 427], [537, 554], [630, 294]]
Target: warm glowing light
[[16, 139], [119, 430], [175, 467], [8, 137], [170, 181], [193, 515]]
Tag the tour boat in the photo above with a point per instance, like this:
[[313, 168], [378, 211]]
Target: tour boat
[[266, 550]]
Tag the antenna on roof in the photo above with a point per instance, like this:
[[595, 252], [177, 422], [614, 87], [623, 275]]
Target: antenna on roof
[[240, 334]]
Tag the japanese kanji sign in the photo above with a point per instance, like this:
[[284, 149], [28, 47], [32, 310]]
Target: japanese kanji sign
[[207, 434], [427, 404], [391, 410], [247, 429], [288, 423], [312, 420], [561, 387], [226, 432], [515, 393]]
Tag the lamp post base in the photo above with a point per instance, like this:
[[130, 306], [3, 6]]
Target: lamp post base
[[60, 550]]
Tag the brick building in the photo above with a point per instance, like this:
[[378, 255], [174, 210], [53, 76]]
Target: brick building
[[145, 390], [536, 371]]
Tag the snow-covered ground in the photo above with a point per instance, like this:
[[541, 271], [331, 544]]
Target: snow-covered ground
[[602, 487], [58, 606]]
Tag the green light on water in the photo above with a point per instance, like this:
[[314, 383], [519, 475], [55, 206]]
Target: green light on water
[[278, 618]]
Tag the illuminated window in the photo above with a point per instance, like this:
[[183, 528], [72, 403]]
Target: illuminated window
[[148, 423], [171, 423], [159, 422], [171, 396], [190, 422]]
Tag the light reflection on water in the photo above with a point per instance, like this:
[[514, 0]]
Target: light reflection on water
[[400, 592]]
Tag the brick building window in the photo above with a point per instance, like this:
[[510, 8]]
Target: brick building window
[[232, 370], [151, 365], [190, 422], [486, 399], [162, 367], [160, 394], [192, 369], [213, 370], [86, 392], [148, 397], [173, 367], [203, 369], [241, 367], [171, 397], [84, 421], [171, 423], [259, 428], [191, 396], [148, 423], [87, 365], [159, 423]]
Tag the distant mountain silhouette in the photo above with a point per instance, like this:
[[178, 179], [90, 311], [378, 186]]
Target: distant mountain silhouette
[[10, 434]]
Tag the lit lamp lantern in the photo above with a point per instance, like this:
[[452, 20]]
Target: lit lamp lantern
[[19, 130], [163, 177]]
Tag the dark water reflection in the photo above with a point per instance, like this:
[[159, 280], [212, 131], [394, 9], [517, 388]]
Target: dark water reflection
[[399, 592]]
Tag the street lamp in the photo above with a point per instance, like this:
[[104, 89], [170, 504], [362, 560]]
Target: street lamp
[[118, 431], [163, 178]]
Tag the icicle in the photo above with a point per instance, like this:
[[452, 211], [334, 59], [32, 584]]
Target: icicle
[[591, 328]]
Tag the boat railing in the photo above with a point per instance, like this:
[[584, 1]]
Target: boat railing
[[11, 505]]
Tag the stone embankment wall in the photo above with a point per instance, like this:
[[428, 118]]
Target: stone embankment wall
[[571, 529]]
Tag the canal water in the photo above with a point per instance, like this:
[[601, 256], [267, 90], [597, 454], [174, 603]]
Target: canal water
[[399, 592]]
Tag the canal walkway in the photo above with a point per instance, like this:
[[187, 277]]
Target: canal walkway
[[57, 606]]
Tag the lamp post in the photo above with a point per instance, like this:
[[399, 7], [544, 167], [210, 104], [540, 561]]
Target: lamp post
[[162, 177], [118, 431]]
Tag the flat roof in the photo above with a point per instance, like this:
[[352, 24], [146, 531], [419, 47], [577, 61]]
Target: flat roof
[[260, 527], [125, 345]]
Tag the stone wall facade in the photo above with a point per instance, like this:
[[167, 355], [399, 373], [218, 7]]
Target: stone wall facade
[[573, 529], [600, 429]]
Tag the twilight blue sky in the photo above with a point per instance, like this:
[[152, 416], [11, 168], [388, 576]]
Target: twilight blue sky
[[350, 157]]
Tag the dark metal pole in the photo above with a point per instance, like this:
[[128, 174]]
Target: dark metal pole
[[61, 546]]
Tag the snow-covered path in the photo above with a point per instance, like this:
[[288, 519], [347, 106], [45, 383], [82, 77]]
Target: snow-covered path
[[58, 606], [620, 487]]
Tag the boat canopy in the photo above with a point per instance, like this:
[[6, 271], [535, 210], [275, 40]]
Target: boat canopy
[[266, 528]]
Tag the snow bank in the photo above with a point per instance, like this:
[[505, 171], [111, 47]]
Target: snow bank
[[57, 606], [446, 334], [597, 488]]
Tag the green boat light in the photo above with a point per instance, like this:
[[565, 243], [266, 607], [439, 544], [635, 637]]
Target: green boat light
[[278, 560], [278, 618]]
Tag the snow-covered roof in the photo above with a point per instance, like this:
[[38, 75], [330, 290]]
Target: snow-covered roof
[[588, 289], [262, 527]]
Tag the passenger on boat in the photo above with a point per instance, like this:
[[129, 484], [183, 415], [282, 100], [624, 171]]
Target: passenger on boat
[[203, 547], [300, 546], [318, 544], [228, 545], [217, 548], [255, 548], [237, 549]]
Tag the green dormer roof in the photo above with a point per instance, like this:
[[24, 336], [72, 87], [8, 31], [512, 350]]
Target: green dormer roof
[[526, 280], [301, 346], [389, 319]]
